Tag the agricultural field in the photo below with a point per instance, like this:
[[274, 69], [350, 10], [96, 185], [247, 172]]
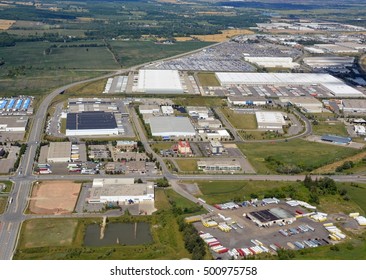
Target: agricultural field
[[131, 53], [65, 236], [223, 36], [54, 197], [208, 79], [6, 24], [305, 155], [240, 121]]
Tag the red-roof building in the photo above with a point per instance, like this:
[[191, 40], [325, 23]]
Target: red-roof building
[[184, 147]]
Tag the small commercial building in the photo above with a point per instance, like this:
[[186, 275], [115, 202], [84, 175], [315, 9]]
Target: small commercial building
[[91, 123], [219, 165], [149, 109], [247, 100], [126, 145], [216, 147], [198, 112], [13, 124], [308, 104], [159, 82], [270, 120], [184, 148], [265, 218], [172, 127], [59, 152], [336, 139], [209, 124], [354, 106], [120, 190]]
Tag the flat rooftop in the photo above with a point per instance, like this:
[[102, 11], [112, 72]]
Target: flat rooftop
[[270, 117], [354, 103], [18, 121], [159, 81], [90, 120], [270, 215], [171, 125], [59, 150], [123, 190]]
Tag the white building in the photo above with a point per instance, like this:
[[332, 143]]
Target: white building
[[247, 100], [360, 130], [120, 190], [199, 112], [149, 109], [354, 106], [219, 165], [59, 152], [329, 61], [271, 62], [175, 127], [335, 86], [159, 81], [270, 120]]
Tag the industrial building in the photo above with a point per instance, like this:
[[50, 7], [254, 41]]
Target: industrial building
[[216, 148], [116, 84], [335, 86], [168, 127], [265, 218], [120, 190], [271, 62], [167, 110], [91, 123], [209, 124], [247, 100], [332, 48], [198, 112], [336, 139], [329, 61], [308, 104], [159, 81], [217, 134], [270, 120], [59, 152], [126, 145], [77, 105], [360, 130], [354, 106], [149, 109], [219, 165], [13, 124]]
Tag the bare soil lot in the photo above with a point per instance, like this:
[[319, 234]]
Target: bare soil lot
[[54, 197]]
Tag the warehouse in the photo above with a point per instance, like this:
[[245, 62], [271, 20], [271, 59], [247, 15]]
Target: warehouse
[[336, 139], [159, 81], [337, 87], [247, 100], [167, 110], [329, 61], [270, 120], [198, 112], [265, 218], [77, 105], [271, 62], [13, 124], [167, 127], [216, 147], [354, 106], [120, 190], [209, 124], [91, 123], [308, 104], [59, 152], [219, 165], [332, 48]]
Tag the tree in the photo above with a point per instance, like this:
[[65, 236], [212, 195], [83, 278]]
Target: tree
[[162, 183]]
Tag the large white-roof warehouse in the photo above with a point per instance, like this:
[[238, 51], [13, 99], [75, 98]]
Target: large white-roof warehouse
[[159, 81], [172, 127], [337, 87], [270, 120]]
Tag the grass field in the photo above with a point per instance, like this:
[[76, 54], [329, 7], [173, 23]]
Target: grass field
[[358, 195], [199, 101], [208, 80], [335, 128], [162, 146], [137, 52], [168, 240], [307, 155], [91, 88], [6, 24], [187, 165], [224, 191], [4, 195], [240, 121], [330, 168]]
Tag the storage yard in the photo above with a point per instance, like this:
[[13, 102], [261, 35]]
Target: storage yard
[[245, 229], [54, 197]]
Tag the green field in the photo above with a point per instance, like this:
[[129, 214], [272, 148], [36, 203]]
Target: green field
[[336, 128], [304, 154], [358, 195], [162, 146], [199, 101], [240, 121], [208, 80], [187, 165], [137, 52], [168, 240], [4, 195]]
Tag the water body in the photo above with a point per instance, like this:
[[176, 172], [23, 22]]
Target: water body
[[118, 234]]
